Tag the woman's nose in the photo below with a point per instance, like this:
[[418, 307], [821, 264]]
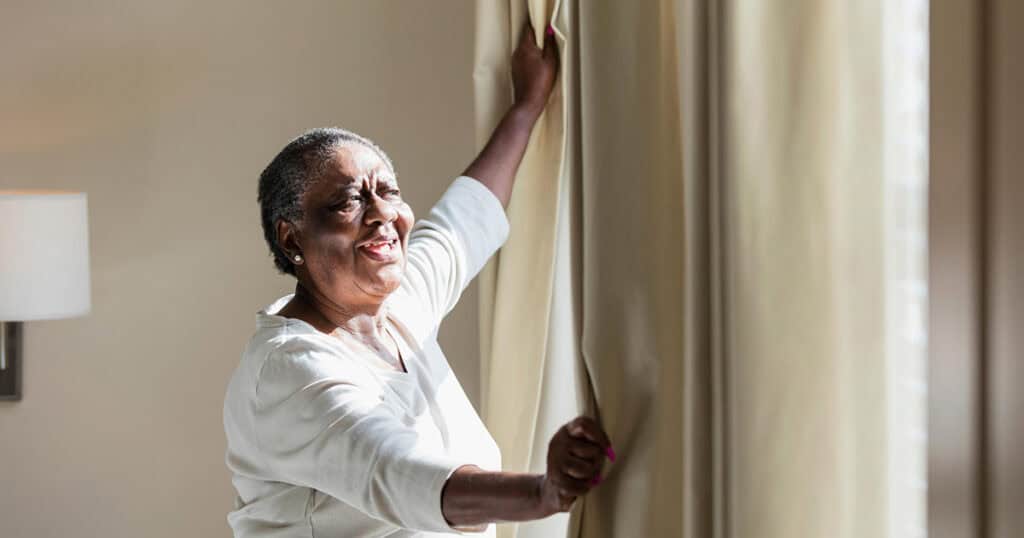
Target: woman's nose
[[380, 210]]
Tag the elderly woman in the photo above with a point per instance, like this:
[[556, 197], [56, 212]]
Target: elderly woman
[[343, 417]]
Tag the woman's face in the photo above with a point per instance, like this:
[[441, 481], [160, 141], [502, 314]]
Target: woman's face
[[355, 229]]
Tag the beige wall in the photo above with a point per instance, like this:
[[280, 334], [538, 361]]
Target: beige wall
[[165, 112]]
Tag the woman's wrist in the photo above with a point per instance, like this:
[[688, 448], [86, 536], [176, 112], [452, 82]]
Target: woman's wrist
[[540, 506], [497, 163], [527, 111]]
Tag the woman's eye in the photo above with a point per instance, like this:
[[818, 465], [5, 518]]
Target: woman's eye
[[393, 192], [348, 204]]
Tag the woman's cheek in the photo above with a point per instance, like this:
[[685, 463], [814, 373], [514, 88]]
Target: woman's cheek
[[406, 214]]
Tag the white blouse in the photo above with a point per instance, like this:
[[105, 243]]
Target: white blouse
[[325, 440]]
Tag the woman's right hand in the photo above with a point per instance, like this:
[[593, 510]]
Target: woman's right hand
[[576, 454], [534, 69]]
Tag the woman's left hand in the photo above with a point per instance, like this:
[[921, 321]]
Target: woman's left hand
[[534, 70]]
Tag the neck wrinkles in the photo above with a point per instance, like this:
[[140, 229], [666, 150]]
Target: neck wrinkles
[[365, 323]]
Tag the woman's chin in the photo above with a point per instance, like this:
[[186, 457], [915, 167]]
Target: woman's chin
[[386, 279]]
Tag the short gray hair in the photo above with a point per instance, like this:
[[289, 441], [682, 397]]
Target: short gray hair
[[284, 181]]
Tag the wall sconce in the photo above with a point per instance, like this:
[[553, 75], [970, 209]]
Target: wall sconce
[[44, 268]]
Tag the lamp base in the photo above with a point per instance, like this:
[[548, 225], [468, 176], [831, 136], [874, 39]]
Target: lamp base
[[10, 364]]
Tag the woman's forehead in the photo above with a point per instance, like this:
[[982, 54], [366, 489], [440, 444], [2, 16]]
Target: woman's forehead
[[354, 163]]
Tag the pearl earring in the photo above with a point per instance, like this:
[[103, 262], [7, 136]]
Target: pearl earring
[[297, 258]]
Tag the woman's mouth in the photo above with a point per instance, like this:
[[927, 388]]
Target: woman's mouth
[[381, 251]]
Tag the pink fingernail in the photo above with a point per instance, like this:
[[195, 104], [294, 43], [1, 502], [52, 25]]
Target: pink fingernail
[[550, 30], [611, 453]]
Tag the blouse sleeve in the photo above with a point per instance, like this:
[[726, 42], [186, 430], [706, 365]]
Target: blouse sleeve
[[319, 426], [452, 243]]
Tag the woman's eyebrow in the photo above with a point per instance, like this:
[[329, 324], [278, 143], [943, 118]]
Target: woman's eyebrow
[[356, 184], [387, 178], [343, 189]]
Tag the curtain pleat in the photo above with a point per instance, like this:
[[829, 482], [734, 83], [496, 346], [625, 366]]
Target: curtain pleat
[[516, 286]]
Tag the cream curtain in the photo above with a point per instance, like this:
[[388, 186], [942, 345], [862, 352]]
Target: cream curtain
[[702, 256]]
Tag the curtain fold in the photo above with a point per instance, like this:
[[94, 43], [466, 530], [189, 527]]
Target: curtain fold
[[701, 258], [632, 247], [532, 378]]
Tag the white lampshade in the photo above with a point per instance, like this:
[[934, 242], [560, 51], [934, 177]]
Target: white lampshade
[[44, 255]]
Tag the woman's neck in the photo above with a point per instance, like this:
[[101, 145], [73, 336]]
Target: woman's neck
[[364, 321]]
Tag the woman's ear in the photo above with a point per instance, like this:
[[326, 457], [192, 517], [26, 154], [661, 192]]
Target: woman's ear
[[287, 239]]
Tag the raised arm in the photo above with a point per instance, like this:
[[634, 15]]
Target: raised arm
[[533, 76]]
